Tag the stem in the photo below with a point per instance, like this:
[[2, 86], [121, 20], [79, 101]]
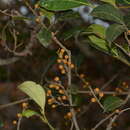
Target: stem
[[69, 81], [45, 120]]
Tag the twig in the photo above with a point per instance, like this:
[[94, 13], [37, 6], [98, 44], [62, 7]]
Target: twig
[[105, 92], [14, 103], [19, 122], [109, 127], [8, 61], [69, 80], [110, 81], [91, 90], [103, 120], [128, 41]]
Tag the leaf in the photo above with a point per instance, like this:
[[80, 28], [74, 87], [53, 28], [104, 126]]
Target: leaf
[[46, 13], [71, 32], [29, 113], [127, 1], [74, 89], [112, 2], [99, 43], [111, 103], [44, 37], [66, 16], [113, 31], [127, 20], [61, 5], [115, 51], [108, 12], [35, 91], [77, 100], [96, 29]]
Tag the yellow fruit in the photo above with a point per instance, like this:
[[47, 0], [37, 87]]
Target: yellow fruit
[[37, 20], [50, 101], [64, 61], [61, 91], [101, 94], [72, 66], [62, 50], [14, 122], [36, 6], [124, 83], [63, 71], [82, 75], [24, 105], [53, 106], [97, 90], [64, 98], [117, 111], [66, 56], [69, 115], [51, 86], [58, 60], [56, 79], [49, 92], [59, 98], [61, 67], [87, 83], [93, 100], [19, 115], [57, 87]]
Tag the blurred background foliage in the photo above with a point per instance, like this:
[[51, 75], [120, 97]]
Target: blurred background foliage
[[40, 64]]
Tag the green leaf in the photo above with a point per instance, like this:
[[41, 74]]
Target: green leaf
[[35, 91], [127, 1], [108, 12], [111, 103], [96, 29], [115, 51], [29, 113], [44, 37], [77, 100], [127, 20], [46, 13], [99, 44], [112, 2], [113, 31], [71, 32], [61, 5], [66, 16]]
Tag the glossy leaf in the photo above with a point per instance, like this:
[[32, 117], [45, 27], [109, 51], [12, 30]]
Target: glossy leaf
[[108, 12], [44, 37], [112, 2], [115, 51], [96, 29], [99, 44], [66, 16], [60, 5], [29, 113], [127, 1], [113, 31], [35, 91], [71, 32], [111, 103]]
